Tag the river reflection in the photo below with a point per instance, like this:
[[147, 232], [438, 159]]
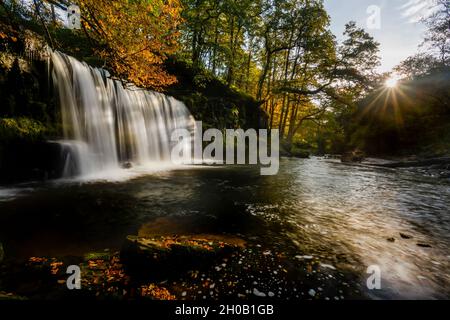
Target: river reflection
[[349, 217]]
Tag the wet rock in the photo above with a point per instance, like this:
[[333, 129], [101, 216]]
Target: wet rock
[[304, 257], [405, 236], [424, 245], [168, 256], [4, 296], [97, 256], [127, 165], [327, 266], [353, 156], [258, 293]]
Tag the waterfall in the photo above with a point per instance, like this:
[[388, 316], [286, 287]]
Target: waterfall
[[106, 125]]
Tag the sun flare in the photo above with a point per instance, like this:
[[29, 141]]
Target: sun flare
[[391, 83]]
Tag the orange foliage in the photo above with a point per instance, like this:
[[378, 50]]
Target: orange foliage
[[157, 293], [135, 37]]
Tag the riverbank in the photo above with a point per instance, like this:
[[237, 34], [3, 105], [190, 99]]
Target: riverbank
[[179, 268], [432, 166]]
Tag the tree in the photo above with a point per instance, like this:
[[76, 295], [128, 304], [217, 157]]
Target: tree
[[437, 38], [134, 37], [417, 65], [343, 75], [437, 43]]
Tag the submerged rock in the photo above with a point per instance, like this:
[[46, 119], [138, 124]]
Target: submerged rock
[[167, 256], [424, 245]]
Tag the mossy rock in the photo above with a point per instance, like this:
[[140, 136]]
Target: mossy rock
[[300, 153], [4, 296], [106, 255], [167, 256], [353, 156]]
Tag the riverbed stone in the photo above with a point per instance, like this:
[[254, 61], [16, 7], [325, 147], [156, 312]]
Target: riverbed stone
[[353, 156], [167, 256]]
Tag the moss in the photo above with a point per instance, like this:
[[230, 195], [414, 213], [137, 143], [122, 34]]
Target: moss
[[4, 296], [212, 101], [12, 129], [97, 256]]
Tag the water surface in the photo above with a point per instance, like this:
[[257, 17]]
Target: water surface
[[340, 214]]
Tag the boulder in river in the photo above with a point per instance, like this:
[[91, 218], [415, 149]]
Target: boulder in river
[[167, 256], [424, 245], [127, 165], [353, 156]]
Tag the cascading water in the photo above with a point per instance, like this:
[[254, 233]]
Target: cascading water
[[106, 125]]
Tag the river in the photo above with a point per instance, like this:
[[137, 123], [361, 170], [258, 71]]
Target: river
[[348, 216]]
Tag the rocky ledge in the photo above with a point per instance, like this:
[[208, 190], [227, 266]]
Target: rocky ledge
[[167, 256]]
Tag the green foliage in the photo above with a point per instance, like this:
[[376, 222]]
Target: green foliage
[[437, 37], [210, 99], [21, 128], [412, 118], [323, 95]]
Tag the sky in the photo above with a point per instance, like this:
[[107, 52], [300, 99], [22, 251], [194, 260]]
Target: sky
[[399, 30]]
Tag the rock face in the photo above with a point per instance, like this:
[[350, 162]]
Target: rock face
[[47, 161], [166, 256], [127, 165], [353, 156]]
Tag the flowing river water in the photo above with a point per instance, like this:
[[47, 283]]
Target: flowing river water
[[348, 216]]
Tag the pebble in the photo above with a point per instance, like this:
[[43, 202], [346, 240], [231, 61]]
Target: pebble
[[304, 257], [258, 293], [328, 266]]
